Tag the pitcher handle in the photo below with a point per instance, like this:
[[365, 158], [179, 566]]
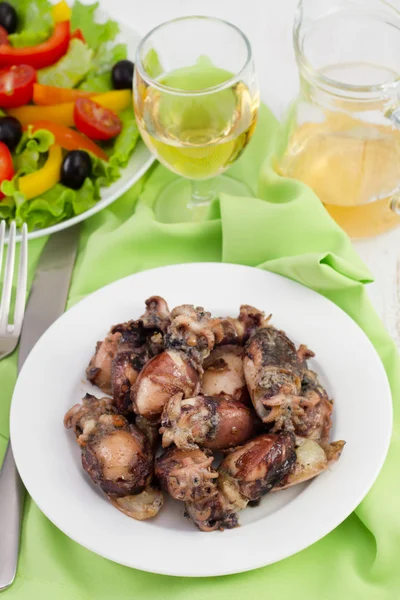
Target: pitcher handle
[[393, 114]]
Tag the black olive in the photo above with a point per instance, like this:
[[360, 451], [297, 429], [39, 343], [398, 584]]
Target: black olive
[[77, 165], [10, 132], [8, 17], [122, 75]]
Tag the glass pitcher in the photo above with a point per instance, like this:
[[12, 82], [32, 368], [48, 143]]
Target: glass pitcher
[[343, 131]]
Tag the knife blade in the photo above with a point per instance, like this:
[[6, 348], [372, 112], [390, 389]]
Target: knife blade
[[49, 290], [47, 300]]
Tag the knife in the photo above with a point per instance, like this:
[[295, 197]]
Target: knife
[[46, 303]]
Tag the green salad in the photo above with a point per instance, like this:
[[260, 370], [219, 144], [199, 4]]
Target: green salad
[[67, 125]]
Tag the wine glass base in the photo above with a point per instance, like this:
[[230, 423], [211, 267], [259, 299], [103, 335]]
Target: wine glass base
[[174, 204]]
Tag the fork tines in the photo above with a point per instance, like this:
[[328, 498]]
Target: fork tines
[[7, 274]]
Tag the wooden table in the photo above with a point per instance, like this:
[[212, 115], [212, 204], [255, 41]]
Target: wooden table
[[268, 24]]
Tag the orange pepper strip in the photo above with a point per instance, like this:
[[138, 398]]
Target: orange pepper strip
[[47, 95], [69, 139], [63, 114]]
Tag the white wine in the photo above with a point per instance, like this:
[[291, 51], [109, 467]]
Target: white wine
[[196, 135]]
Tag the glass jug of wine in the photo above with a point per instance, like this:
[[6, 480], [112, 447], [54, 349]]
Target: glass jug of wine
[[196, 102], [343, 130]]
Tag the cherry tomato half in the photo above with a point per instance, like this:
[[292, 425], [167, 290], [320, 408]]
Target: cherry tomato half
[[42, 55], [4, 36], [16, 86], [95, 121], [6, 165]]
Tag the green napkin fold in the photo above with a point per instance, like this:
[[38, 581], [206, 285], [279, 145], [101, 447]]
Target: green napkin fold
[[285, 230]]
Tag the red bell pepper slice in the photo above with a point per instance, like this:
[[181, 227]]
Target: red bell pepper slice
[[42, 55], [78, 35]]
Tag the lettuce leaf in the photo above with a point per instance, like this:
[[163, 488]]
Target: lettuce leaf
[[55, 205], [95, 34], [85, 198], [99, 38], [35, 22], [97, 83], [99, 77], [31, 151], [103, 173], [107, 56], [40, 139], [13, 196], [7, 209], [125, 143], [71, 69]]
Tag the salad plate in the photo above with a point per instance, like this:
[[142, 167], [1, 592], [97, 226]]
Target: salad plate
[[105, 46], [49, 459]]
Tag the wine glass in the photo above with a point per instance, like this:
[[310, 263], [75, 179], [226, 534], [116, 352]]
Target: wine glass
[[196, 103]]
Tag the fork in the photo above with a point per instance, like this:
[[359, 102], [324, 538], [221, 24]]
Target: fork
[[10, 332], [11, 498]]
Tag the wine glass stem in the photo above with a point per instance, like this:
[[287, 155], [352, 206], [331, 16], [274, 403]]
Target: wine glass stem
[[203, 192]]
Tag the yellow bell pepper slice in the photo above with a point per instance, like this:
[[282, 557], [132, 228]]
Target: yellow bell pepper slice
[[44, 179], [63, 114], [61, 12], [117, 100]]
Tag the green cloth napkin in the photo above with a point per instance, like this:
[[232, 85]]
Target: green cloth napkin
[[287, 231]]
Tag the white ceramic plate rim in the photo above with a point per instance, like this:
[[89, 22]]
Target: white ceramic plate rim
[[117, 189], [206, 545]]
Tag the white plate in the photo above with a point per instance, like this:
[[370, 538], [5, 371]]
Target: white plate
[[140, 161], [53, 379]]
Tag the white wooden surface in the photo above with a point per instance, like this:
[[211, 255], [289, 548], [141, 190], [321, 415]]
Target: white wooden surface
[[268, 24]]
